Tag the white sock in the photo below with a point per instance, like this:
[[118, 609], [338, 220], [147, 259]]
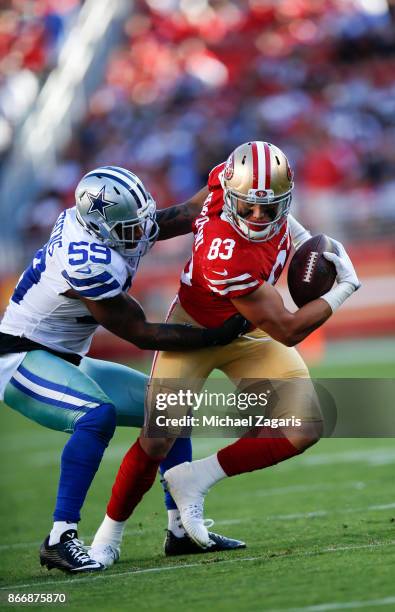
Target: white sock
[[174, 523], [59, 527], [208, 471], [109, 532]]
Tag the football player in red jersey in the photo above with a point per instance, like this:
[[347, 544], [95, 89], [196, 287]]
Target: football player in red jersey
[[242, 239]]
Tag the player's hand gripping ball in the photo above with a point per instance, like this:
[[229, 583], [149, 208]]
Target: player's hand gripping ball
[[310, 275]]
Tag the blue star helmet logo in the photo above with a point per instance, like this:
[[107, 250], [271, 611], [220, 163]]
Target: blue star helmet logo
[[99, 203]]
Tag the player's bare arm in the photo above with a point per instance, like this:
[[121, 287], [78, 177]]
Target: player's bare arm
[[177, 220], [123, 316], [265, 309]]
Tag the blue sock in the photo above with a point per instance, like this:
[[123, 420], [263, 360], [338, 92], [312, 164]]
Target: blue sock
[[80, 459], [181, 451]]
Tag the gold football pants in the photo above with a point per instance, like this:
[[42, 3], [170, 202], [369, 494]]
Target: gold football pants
[[254, 356]]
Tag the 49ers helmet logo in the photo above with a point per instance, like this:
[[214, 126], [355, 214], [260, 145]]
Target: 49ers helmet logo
[[229, 168]]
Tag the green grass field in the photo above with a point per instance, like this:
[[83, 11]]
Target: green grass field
[[320, 528]]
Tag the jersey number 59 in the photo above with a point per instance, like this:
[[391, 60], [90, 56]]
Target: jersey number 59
[[97, 253]]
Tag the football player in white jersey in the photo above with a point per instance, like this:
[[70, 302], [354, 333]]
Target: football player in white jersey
[[76, 282]]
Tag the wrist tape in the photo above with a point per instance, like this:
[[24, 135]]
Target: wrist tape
[[335, 297]]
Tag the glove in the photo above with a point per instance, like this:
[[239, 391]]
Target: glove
[[343, 264], [231, 329], [347, 278]]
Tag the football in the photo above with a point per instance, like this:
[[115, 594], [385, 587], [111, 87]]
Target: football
[[310, 275]]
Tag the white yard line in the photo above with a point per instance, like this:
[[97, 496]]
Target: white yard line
[[42, 458], [166, 568], [372, 457], [303, 488], [313, 514], [376, 457], [345, 605]]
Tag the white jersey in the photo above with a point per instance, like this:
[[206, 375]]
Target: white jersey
[[72, 258]]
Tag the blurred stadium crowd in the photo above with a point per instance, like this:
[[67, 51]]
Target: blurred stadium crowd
[[31, 35], [191, 79]]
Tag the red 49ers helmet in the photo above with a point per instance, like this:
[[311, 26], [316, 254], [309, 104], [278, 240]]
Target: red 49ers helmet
[[257, 181]]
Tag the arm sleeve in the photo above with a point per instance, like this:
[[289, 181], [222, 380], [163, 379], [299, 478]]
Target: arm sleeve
[[299, 234]]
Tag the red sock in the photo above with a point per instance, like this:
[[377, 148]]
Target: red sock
[[135, 477], [249, 454]]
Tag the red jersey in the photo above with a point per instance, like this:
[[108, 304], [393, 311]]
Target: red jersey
[[224, 265]]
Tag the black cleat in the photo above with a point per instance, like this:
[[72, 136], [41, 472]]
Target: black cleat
[[184, 546], [69, 555]]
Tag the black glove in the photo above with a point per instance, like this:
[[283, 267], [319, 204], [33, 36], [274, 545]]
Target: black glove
[[232, 328]]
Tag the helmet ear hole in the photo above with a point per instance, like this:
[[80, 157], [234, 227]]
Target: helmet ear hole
[[94, 226]]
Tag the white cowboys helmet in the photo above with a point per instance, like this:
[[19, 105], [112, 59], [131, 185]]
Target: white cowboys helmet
[[113, 204], [257, 182]]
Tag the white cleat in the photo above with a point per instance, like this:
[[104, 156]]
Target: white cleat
[[105, 554], [183, 483]]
